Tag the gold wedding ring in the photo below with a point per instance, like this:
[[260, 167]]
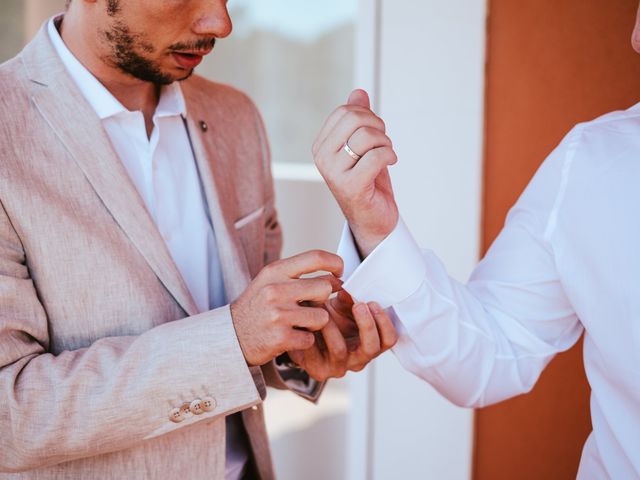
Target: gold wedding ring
[[351, 153]]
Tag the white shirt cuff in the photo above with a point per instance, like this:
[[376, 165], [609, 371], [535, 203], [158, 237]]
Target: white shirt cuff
[[390, 274]]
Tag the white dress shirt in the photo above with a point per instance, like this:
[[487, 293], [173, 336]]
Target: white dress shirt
[[567, 261], [164, 172]]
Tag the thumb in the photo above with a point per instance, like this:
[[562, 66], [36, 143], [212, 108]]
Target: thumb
[[360, 98]]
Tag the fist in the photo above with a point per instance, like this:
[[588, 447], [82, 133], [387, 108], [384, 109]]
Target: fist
[[279, 311], [353, 153]]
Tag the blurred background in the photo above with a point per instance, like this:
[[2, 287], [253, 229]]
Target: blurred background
[[475, 94]]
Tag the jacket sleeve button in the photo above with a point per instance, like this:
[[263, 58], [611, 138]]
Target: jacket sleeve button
[[175, 415], [196, 407], [208, 404]]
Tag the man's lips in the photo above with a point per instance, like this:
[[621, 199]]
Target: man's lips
[[189, 60]]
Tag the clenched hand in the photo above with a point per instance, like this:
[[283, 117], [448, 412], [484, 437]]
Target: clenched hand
[[278, 313], [361, 187]]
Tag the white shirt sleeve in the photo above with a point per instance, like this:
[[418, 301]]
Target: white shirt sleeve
[[490, 339]]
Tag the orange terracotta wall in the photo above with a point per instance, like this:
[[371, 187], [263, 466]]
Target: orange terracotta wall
[[551, 64]]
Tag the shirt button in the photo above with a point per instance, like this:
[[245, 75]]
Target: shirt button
[[208, 404], [254, 408], [203, 126], [196, 407], [175, 415]]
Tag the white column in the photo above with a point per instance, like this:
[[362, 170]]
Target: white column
[[425, 66]]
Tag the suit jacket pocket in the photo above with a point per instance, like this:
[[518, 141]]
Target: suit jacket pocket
[[250, 230]]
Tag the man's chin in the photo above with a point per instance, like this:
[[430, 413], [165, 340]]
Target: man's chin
[[169, 79], [185, 75]]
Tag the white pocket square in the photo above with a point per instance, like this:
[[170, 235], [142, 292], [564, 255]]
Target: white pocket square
[[249, 218]]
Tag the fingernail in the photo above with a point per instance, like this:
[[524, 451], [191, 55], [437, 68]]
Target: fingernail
[[375, 308], [360, 308]]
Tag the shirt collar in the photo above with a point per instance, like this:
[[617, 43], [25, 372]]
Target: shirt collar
[[101, 100]]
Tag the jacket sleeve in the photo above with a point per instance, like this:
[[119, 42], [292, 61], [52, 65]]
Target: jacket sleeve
[[114, 394]]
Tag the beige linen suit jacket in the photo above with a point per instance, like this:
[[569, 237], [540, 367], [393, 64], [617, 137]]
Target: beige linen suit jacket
[[99, 337]]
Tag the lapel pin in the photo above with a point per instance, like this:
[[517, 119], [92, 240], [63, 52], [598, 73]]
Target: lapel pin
[[203, 126]]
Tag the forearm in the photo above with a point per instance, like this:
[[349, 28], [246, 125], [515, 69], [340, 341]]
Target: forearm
[[471, 351], [478, 343], [118, 392]]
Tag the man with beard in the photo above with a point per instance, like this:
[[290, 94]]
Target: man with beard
[[136, 205]]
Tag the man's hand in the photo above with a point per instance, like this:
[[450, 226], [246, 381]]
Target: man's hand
[[369, 332], [361, 187], [273, 315]]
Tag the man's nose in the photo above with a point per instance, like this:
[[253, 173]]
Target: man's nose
[[214, 19]]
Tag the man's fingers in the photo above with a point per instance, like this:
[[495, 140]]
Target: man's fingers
[[367, 138], [299, 340], [336, 116], [308, 262], [311, 291], [362, 141], [297, 356], [386, 329], [335, 282], [341, 315], [308, 318], [370, 166], [369, 339], [353, 120], [359, 97], [343, 303], [335, 345]]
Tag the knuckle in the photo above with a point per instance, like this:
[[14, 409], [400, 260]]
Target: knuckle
[[277, 338], [392, 338], [358, 368], [342, 110], [325, 288], [316, 257], [370, 133], [355, 117], [323, 317], [274, 316], [341, 353], [270, 269], [270, 293], [319, 254], [308, 340]]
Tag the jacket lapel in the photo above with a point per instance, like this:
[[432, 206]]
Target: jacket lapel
[[80, 130], [211, 151], [209, 148]]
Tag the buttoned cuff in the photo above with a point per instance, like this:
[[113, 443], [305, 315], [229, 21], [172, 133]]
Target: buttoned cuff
[[390, 274]]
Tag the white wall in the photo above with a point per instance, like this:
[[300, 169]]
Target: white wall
[[424, 62]]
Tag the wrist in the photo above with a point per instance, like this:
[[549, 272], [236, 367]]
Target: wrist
[[367, 241]]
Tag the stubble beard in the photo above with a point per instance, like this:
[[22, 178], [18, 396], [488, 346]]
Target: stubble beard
[[124, 47]]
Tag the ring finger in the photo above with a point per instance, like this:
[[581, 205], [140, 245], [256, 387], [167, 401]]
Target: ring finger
[[362, 141]]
